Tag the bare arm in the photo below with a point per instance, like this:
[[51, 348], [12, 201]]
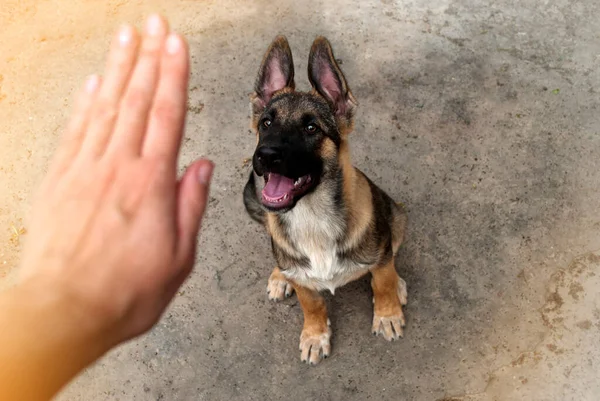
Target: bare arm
[[46, 339], [113, 231]]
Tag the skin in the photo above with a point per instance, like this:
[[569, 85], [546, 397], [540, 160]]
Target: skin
[[113, 231]]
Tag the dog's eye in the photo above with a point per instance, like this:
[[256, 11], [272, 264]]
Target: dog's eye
[[267, 123], [311, 128]]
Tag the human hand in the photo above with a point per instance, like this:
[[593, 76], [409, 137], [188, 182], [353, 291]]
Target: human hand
[[113, 227]]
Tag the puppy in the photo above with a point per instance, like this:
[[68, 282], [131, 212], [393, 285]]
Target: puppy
[[329, 223]]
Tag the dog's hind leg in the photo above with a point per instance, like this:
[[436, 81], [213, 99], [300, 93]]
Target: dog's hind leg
[[398, 226], [389, 294]]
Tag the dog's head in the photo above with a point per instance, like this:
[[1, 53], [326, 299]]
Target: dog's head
[[299, 133]]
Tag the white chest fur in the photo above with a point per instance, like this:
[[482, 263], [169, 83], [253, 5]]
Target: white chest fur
[[314, 231]]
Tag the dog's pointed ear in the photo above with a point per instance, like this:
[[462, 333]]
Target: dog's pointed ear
[[276, 73], [327, 79]]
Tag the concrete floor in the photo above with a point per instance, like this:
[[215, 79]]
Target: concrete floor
[[481, 116]]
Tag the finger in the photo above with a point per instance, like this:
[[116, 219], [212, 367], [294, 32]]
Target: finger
[[137, 100], [191, 204], [71, 141], [176, 283], [167, 116], [105, 110]]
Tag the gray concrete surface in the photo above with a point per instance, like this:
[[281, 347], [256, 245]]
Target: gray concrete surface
[[481, 116]]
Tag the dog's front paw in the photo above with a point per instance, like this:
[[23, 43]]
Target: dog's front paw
[[315, 346], [278, 288], [389, 326]]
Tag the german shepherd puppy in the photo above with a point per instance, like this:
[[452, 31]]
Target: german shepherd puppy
[[329, 224]]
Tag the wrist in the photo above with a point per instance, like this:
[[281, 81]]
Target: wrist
[[70, 312], [45, 335]]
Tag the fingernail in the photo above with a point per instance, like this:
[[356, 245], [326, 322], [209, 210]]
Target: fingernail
[[153, 25], [125, 35], [205, 173], [173, 44], [92, 83]]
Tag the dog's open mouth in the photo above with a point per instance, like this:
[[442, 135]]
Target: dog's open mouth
[[279, 191]]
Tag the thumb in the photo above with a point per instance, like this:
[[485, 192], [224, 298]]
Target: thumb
[[191, 204]]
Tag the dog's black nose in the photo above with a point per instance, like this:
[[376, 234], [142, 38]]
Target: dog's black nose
[[269, 156]]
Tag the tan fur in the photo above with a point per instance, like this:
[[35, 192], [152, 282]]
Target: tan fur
[[278, 287], [357, 197], [346, 126], [276, 274], [328, 150], [315, 337], [398, 228], [389, 294]]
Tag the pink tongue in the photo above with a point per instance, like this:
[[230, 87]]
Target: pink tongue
[[278, 185]]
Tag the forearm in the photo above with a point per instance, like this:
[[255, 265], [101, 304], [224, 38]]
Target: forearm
[[46, 338], [130, 240]]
